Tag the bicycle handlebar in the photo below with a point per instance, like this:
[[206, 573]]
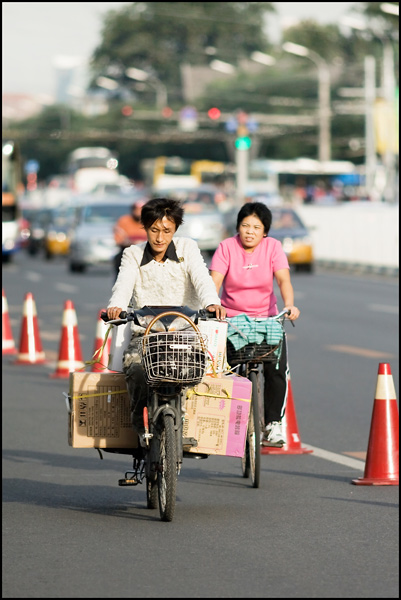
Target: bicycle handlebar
[[282, 315], [125, 316]]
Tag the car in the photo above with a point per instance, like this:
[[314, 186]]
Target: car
[[58, 233], [267, 197], [92, 242], [122, 186], [39, 219], [207, 193], [207, 214], [289, 229], [205, 224]]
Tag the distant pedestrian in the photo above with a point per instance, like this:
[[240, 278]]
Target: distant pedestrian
[[129, 230]]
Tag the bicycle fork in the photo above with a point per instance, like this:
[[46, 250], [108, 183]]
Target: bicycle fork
[[161, 408]]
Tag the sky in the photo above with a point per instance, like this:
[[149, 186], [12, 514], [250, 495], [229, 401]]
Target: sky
[[38, 35]]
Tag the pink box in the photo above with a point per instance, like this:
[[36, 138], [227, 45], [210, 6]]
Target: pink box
[[216, 415]]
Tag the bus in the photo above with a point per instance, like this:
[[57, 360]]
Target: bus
[[174, 171], [12, 189], [168, 172], [208, 171], [305, 180], [88, 167]]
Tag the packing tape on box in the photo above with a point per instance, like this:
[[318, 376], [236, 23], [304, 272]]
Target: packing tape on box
[[79, 396], [192, 391]]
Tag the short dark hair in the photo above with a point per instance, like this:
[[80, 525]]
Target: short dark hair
[[158, 208], [258, 209]]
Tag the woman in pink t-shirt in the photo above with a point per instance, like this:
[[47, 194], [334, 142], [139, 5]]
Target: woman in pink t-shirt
[[245, 267]]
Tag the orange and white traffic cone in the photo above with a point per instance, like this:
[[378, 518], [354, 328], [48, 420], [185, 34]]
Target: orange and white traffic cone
[[102, 345], [70, 353], [30, 348], [290, 431], [7, 343], [381, 466]]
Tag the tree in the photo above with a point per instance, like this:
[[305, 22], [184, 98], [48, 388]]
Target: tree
[[158, 37]]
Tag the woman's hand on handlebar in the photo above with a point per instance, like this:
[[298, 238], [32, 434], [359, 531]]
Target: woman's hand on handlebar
[[294, 312], [220, 311], [113, 312]]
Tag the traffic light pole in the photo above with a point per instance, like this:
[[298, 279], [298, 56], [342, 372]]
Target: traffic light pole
[[241, 159]]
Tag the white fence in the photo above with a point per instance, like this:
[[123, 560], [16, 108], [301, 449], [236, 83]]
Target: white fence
[[354, 233]]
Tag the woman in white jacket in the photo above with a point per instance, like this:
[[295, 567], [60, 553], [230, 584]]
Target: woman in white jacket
[[159, 272]]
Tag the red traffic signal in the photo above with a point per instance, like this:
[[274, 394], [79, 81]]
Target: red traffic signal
[[214, 113], [167, 112], [127, 110]]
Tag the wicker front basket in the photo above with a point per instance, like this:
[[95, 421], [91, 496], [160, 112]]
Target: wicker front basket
[[173, 357]]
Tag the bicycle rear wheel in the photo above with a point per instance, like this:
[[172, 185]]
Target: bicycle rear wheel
[[245, 461], [253, 435], [167, 468]]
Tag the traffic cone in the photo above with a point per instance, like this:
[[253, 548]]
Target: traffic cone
[[290, 431], [7, 339], [102, 345], [30, 348], [381, 466], [70, 353]]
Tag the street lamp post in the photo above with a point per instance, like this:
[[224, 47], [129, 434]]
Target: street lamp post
[[388, 86], [241, 152], [370, 148], [160, 88], [324, 96]]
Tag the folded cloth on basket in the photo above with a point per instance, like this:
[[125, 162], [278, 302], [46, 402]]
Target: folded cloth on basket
[[243, 330]]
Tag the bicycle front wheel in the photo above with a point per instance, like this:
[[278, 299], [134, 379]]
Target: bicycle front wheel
[[151, 492], [252, 451], [167, 469]]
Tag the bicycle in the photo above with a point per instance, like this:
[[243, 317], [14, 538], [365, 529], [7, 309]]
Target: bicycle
[[174, 357], [248, 359]]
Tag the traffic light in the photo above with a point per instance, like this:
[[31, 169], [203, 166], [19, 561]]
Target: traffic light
[[243, 143], [167, 112], [127, 110], [214, 113]]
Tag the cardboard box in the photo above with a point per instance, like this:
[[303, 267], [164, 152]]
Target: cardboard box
[[100, 414], [216, 415], [216, 332]]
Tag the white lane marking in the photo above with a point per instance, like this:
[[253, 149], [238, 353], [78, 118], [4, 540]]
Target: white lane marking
[[32, 276], [50, 336], [353, 463], [384, 308], [359, 351], [66, 287]]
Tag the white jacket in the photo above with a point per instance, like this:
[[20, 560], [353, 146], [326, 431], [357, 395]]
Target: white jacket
[[170, 283]]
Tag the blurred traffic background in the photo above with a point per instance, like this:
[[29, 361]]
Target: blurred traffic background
[[215, 104]]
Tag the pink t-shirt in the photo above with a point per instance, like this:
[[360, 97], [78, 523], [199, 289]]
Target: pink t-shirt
[[248, 282]]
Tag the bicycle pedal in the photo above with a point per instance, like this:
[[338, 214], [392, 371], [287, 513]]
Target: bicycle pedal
[[128, 482]]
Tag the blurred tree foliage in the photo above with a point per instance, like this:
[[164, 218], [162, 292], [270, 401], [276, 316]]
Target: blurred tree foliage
[[158, 36]]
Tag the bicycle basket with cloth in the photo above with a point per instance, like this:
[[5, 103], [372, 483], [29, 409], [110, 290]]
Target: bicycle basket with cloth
[[173, 357], [254, 339]]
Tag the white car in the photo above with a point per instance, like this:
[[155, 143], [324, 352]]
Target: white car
[[204, 219], [92, 242], [205, 224]]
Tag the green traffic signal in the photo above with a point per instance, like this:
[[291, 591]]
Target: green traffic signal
[[243, 143]]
